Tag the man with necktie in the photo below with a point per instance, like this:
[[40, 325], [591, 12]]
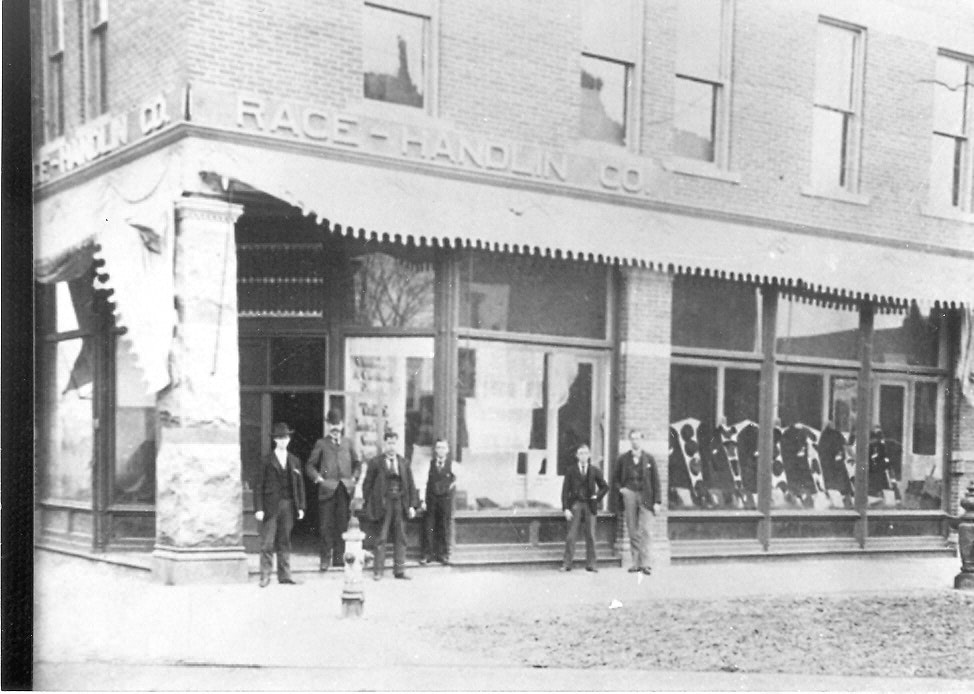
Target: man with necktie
[[582, 490], [390, 498], [278, 490], [637, 480], [334, 467], [440, 485]]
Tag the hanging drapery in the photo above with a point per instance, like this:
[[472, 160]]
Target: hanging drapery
[[965, 357]]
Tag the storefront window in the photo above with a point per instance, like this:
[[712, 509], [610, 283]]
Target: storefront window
[[529, 294], [522, 411], [134, 480], [392, 292], [390, 382], [68, 449], [907, 339], [713, 461], [810, 330], [715, 314]]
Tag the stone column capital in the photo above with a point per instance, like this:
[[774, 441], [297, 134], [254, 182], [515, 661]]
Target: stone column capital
[[198, 208]]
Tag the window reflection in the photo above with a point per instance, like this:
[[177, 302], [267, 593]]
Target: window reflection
[[811, 330], [694, 118], [135, 432], [68, 443], [394, 56], [605, 85], [908, 339], [715, 314], [392, 293]]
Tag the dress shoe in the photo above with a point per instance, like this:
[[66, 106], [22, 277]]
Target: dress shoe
[[376, 577], [634, 569], [323, 567], [264, 581], [445, 561], [565, 568], [646, 570], [289, 582], [404, 577], [424, 561], [591, 569]]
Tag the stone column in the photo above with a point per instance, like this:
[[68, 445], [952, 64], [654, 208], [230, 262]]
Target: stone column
[[643, 380], [199, 524]]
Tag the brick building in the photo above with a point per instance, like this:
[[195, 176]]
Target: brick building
[[744, 227]]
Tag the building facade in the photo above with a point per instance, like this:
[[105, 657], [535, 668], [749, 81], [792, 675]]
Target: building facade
[[743, 227]]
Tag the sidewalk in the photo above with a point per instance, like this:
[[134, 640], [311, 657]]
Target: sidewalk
[[97, 627]]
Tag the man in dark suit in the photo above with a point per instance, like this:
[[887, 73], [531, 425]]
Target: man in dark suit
[[334, 467], [278, 491], [637, 480], [390, 498], [581, 492], [440, 485]]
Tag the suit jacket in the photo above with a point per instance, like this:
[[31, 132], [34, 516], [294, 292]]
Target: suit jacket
[[440, 483], [627, 470], [578, 488], [335, 465], [374, 487], [268, 490]]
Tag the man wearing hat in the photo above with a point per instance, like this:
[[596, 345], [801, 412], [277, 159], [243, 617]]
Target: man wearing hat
[[390, 498], [334, 467], [278, 491]]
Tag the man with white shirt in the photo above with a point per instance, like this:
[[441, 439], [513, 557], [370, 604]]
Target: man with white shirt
[[390, 498], [278, 491], [581, 492]]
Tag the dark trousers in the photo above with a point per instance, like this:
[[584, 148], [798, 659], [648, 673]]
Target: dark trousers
[[275, 534], [439, 513], [581, 515], [332, 522], [394, 521]]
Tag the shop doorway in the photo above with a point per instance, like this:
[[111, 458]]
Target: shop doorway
[[304, 413]]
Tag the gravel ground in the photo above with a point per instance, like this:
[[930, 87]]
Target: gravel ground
[[888, 636]]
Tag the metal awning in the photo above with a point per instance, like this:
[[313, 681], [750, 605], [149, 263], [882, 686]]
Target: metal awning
[[366, 199]]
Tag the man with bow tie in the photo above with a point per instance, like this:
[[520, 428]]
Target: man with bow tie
[[278, 491], [637, 480], [581, 492], [334, 467], [440, 485], [390, 498]]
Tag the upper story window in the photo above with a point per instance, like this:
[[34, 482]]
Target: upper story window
[[700, 108], [951, 178], [837, 107], [396, 55], [610, 50], [54, 119], [97, 58]]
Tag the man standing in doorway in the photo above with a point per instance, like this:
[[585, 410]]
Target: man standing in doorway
[[637, 480], [278, 490], [581, 492], [440, 486], [334, 466], [390, 498]]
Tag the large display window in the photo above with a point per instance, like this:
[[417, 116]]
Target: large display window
[[523, 409]]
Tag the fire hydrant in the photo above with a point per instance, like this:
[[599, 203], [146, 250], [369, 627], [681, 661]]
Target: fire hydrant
[[965, 541], [353, 592]]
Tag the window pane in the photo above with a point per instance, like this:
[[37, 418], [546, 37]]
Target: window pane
[[604, 100], [67, 447], [135, 432], [694, 117], [693, 397], [394, 56], [836, 445], [253, 362], [834, 63], [501, 428], [715, 314], [699, 38], [741, 390], [810, 330], [392, 293], [910, 339], [925, 418], [950, 96], [533, 295], [297, 361], [800, 399], [75, 304], [945, 164], [828, 148]]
